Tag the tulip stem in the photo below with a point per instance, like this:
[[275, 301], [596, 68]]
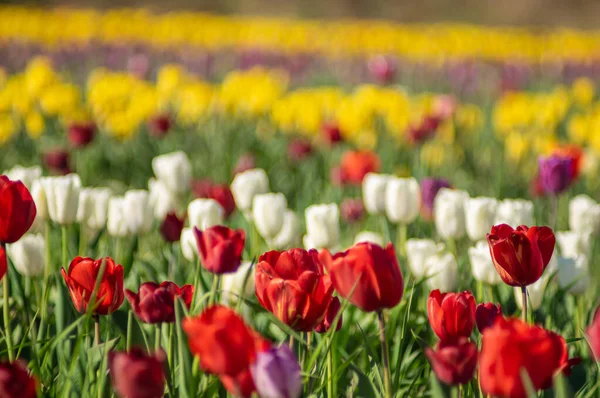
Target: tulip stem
[[129, 330], [96, 330], [82, 240], [330, 381], [60, 314], [402, 235], [384, 356], [5, 309], [157, 337], [554, 213], [213, 290], [524, 301]]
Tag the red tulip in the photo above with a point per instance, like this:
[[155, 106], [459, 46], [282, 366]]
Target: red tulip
[[332, 311], [486, 314], [81, 134], [298, 150], [366, 275], [136, 374], [453, 363], [171, 227], [292, 285], [352, 210], [424, 130], [81, 281], [3, 262], [160, 125], [245, 162], [573, 152], [15, 381], [356, 164], [201, 188], [156, 303], [451, 315], [226, 347], [17, 210], [520, 255], [593, 334], [510, 346], [331, 133], [57, 161], [219, 192], [220, 248]]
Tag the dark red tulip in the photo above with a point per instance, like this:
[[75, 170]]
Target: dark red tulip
[[220, 248], [573, 152], [81, 281], [332, 311], [424, 130], [486, 314], [202, 188], [57, 161], [451, 315], [331, 133], [352, 210], [520, 255], [160, 125], [368, 271], [81, 134], [137, 374], [593, 334], [15, 381], [453, 363], [555, 173], [171, 227], [292, 285], [356, 164], [155, 303], [298, 150], [429, 189], [222, 194], [17, 210], [245, 162]]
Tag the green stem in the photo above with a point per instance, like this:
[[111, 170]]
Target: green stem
[[7, 331], [330, 372], [129, 330], [157, 337], [82, 240], [213, 290], [402, 235], [96, 330], [196, 284], [524, 301], [60, 313], [384, 356]]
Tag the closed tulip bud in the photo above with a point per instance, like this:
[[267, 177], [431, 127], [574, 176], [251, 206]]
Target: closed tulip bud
[[174, 170], [246, 185], [136, 374], [442, 271], [368, 236], [298, 150], [138, 212], [289, 235], [277, 374], [352, 210], [514, 212], [28, 254], [451, 315], [453, 363], [238, 285], [81, 281], [402, 200], [331, 133], [333, 309], [593, 335], [449, 213], [160, 125], [555, 173], [322, 225], [92, 211], [171, 227], [417, 253], [222, 194], [205, 213], [480, 213], [62, 196], [574, 274], [156, 303], [220, 248], [57, 161], [373, 189], [355, 165], [535, 294], [573, 244], [429, 190], [482, 265], [27, 175], [17, 210], [15, 381], [81, 134], [162, 200], [268, 213], [486, 314], [584, 214], [116, 223]]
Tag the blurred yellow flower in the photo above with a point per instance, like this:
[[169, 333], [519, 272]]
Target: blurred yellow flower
[[34, 125], [8, 127]]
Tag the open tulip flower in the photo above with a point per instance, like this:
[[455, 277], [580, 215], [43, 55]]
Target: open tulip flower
[[220, 248]]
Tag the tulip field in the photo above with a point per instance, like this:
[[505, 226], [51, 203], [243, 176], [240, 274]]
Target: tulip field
[[194, 205]]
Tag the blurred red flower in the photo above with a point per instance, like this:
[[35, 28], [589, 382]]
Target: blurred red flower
[[17, 210], [486, 314], [220, 248], [171, 227], [15, 381], [81, 134], [155, 303], [137, 374], [453, 363], [356, 164]]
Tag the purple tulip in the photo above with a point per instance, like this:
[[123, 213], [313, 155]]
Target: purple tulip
[[276, 373], [429, 189], [556, 173]]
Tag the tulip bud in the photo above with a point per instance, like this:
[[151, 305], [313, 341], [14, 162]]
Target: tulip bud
[[556, 173], [289, 234], [138, 211], [573, 244], [205, 213], [298, 150], [482, 266], [584, 214], [62, 196], [352, 210], [453, 363], [486, 314], [514, 212], [163, 201], [322, 226], [171, 228], [28, 254], [268, 211], [429, 189], [449, 213], [27, 175], [246, 185], [535, 294], [373, 188], [574, 274], [222, 194], [451, 315], [417, 252], [15, 380], [355, 165], [480, 214], [137, 374], [160, 125], [155, 303], [331, 133], [238, 284], [402, 200], [277, 374], [57, 161], [189, 249], [174, 171], [442, 272], [368, 236], [17, 212], [116, 224], [92, 211], [81, 134], [220, 248]]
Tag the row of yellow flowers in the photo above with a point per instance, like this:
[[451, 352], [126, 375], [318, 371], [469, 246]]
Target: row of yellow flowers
[[431, 43]]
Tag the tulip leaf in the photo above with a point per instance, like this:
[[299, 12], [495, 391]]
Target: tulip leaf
[[438, 390], [527, 384], [364, 387], [561, 387]]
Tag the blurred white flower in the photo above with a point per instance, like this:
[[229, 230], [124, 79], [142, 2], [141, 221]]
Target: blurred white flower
[[449, 213], [238, 283], [163, 201], [28, 254], [480, 213], [481, 264], [535, 294], [268, 213], [402, 200], [138, 211], [27, 175], [116, 225], [584, 214], [92, 211], [189, 249], [368, 236], [289, 235], [41, 205], [373, 192], [62, 197], [514, 212], [442, 272], [174, 171], [205, 213], [322, 226], [246, 185], [574, 274], [572, 244], [417, 252]]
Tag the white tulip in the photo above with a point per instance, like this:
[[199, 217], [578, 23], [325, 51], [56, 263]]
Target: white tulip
[[417, 252], [163, 200], [174, 171], [238, 283], [442, 272], [368, 236], [481, 264], [268, 213], [584, 214], [449, 213], [27, 175], [573, 273], [28, 254], [322, 226], [573, 244], [62, 196], [480, 213], [402, 200], [514, 212], [246, 185], [138, 211], [41, 206], [289, 234], [92, 211], [205, 213], [373, 190], [189, 249], [535, 294], [116, 224]]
